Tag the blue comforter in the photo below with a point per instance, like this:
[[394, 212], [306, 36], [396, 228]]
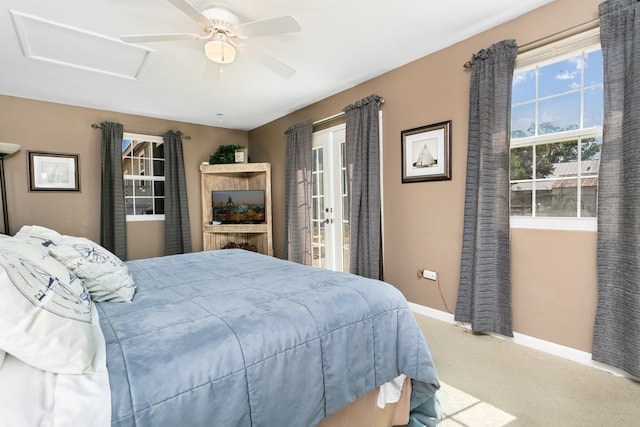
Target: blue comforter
[[233, 338]]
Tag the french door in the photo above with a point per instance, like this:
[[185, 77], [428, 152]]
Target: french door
[[330, 212]]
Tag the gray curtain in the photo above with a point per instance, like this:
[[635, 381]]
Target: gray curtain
[[484, 293], [297, 198], [113, 220], [363, 171], [616, 338], [177, 233]]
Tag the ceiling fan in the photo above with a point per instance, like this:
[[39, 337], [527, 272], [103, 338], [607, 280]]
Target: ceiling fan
[[224, 32]]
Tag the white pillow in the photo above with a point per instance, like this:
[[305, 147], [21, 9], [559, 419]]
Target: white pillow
[[106, 277], [45, 311], [38, 236], [2, 354]]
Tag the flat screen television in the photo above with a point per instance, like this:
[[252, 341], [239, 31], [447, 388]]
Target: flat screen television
[[238, 206]]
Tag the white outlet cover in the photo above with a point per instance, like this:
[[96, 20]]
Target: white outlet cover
[[431, 275]]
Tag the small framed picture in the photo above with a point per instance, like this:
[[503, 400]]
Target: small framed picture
[[426, 153], [53, 172], [241, 155]]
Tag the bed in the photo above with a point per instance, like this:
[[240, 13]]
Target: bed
[[221, 338]]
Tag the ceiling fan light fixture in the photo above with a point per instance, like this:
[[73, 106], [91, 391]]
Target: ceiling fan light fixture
[[219, 50]]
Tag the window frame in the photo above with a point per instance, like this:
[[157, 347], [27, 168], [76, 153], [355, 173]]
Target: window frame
[[139, 137], [539, 57]]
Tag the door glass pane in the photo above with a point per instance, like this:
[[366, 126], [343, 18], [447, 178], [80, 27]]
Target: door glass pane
[[344, 199], [345, 261], [322, 257], [315, 154], [317, 208], [345, 247], [345, 208], [344, 187]]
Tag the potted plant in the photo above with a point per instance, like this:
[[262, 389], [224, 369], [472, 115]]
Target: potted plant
[[224, 154]]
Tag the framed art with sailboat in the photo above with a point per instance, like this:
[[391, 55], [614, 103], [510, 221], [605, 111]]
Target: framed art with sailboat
[[426, 153]]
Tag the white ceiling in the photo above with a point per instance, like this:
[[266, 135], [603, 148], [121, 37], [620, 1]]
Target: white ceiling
[[342, 43]]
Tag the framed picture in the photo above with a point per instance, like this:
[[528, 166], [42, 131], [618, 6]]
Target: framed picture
[[426, 153], [241, 155], [53, 172]]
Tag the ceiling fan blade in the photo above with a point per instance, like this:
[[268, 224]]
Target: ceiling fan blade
[[265, 27], [191, 11], [144, 38], [268, 61]]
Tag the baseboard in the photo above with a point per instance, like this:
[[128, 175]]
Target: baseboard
[[565, 352]]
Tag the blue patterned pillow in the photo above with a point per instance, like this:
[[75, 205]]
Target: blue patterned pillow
[[105, 275], [38, 236], [45, 311]]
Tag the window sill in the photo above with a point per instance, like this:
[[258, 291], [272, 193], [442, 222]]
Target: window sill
[[136, 218], [566, 224]]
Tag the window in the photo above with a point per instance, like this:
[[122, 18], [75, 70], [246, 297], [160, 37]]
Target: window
[[143, 173], [556, 135]]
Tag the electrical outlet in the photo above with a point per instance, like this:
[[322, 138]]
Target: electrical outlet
[[428, 274]]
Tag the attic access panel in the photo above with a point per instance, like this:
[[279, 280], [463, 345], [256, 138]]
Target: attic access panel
[[61, 44]]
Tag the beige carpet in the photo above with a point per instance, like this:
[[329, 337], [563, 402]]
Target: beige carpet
[[492, 382]]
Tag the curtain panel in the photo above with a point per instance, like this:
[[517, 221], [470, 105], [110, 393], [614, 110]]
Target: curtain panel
[[484, 294], [363, 174], [616, 336], [297, 199], [113, 220], [177, 230]]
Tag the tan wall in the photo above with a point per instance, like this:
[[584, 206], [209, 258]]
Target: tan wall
[[42, 126], [553, 272]]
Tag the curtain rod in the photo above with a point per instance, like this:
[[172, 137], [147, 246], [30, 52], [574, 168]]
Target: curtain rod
[[97, 126], [335, 116], [588, 25]]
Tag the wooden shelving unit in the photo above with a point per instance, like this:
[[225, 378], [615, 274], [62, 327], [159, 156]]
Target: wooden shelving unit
[[236, 176]]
